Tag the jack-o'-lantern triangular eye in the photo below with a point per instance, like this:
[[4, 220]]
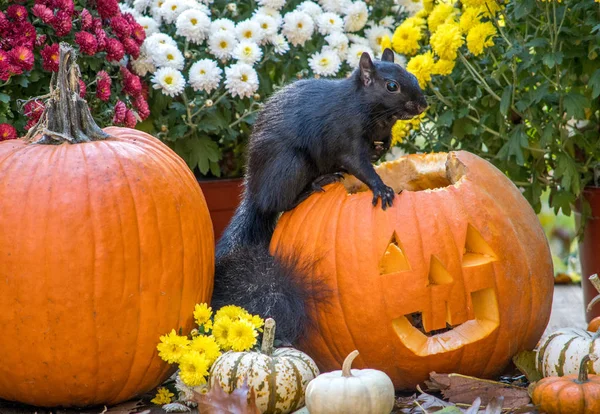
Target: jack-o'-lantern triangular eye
[[438, 275], [477, 252], [394, 260]]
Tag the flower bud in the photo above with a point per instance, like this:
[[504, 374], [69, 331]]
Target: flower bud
[[208, 103]]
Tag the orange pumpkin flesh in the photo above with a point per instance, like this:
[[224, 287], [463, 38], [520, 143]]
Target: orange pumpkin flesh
[[106, 245], [571, 394], [455, 277]]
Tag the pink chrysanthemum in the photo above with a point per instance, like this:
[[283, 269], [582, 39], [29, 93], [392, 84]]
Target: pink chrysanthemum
[[33, 110], [40, 40], [87, 43], [62, 23], [82, 88], [5, 72], [114, 50], [138, 33], [86, 20], [131, 83], [50, 58], [22, 57], [141, 105], [101, 38], [66, 5], [120, 27], [103, 85], [108, 8], [17, 12], [131, 47], [44, 13], [120, 110], [7, 132], [4, 23], [130, 119]]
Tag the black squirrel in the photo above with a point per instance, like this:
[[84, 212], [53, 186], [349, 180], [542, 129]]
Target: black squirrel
[[305, 136]]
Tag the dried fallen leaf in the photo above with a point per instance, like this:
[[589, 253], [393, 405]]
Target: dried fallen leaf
[[464, 389], [525, 362], [127, 407], [241, 401]]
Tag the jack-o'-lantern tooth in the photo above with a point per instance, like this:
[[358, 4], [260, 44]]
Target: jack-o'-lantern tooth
[[394, 260], [477, 252], [438, 275]]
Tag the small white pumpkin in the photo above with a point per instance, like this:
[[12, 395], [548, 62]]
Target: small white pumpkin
[[560, 352], [364, 391], [278, 376]]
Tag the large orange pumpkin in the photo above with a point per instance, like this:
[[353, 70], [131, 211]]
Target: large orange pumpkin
[[455, 277], [105, 246]]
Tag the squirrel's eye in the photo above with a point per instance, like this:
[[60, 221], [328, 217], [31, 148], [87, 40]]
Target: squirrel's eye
[[392, 86]]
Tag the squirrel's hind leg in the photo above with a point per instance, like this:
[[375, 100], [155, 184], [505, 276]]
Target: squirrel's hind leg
[[317, 186]]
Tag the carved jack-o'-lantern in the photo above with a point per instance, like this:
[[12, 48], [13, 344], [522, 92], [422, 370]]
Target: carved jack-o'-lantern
[[455, 277]]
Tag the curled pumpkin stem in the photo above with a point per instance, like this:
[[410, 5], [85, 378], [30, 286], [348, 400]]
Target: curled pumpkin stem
[[583, 369], [347, 365], [66, 116]]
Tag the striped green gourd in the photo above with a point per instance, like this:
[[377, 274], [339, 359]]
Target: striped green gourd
[[561, 351], [278, 376]]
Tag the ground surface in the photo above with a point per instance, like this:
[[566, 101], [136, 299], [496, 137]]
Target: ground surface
[[567, 310]]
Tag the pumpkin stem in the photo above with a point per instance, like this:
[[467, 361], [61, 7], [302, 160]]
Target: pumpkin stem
[[66, 117], [583, 370], [348, 364], [268, 337]]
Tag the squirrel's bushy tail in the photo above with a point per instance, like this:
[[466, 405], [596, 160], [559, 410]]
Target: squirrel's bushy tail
[[247, 275]]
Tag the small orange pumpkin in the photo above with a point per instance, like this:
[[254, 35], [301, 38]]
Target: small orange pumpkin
[[594, 324], [571, 394], [106, 245]]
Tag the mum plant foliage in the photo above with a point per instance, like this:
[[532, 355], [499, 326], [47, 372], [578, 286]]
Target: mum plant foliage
[[213, 63], [516, 82]]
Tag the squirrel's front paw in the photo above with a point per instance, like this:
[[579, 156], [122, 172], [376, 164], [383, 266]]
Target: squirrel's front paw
[[386, 194]]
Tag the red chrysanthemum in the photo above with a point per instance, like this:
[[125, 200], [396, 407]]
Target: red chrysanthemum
[[114, 50], [17, 12], [120, 27], [66, 5], [82, 88], [120, 111], [22, 57], [87, 20], [4, 23], [129, 17], [101, 38], [5, 72], [141, 105], [138, 33], [131, 83], [130, 119], [87, 43], [21, 34], [44, 13], [131, 47], [40, 40], [103, 85], [7, 131], [108, 8], [62, 23], [50, 58], [33, 110], [4, 57]]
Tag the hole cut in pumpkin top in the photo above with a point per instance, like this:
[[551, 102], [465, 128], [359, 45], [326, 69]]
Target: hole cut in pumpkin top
[[415, 172]]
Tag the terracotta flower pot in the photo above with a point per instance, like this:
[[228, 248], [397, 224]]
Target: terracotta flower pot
[[222, 197], [589, 249]]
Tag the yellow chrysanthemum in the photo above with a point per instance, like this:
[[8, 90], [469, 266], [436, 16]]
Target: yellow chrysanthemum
[[386, 43], [469, 18], [172, 347], [207, 345], [443, 67], [487, 6], [418, 22], [428, 5], [230, 311], [422, 67], [163, 396], [399, 131], [202, 313], [242, 335], [406, 39], [193, 369], [220, 331], [440, 14], [480, 37], [208, 326], [446, 40], [256, 321]]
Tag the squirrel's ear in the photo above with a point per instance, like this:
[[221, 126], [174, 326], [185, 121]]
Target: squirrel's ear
[[366, 69], [388, 55]]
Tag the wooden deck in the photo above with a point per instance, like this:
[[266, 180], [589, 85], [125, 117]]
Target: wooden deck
[[567, 308]]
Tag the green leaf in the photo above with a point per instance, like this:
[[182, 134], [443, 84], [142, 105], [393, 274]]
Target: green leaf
[[452, 409], [446, 118], [178, 131], [552, 59], [506, 98], [547, 136], [525, 362], [203, 151], [524, 7], [595, 84], [178, 107], [517, 139], [575, 103], [4, 98], [22, 81], [566, 171]]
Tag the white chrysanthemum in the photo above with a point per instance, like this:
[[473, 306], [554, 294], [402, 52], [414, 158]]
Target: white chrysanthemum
[[205, 75], [280, 45], [356, 16], [221, 44], [298, 27], [248, 30], [155, 6], [410, 6], [207, 2], [375, 34], [167, 56], [329, 23], [126, 9], [195, 5], [311, 8], [272, 4], [193, 25], [267, 25], [388, 22], [170, 81], [247, 52], [155, 40], [142, 65], [222, 25], [325, 63], [241, 80], [150, 25], [267, 11], [332, 6], [141, 5], [357, 39], [171, 9], [355, 52], [338, 42]]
